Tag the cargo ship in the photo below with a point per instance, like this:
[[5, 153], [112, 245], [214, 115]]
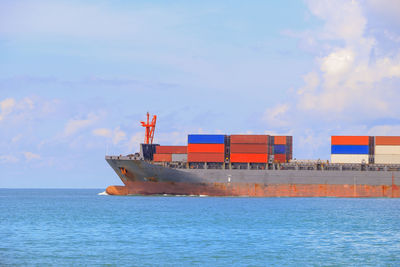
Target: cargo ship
[[258, 166]]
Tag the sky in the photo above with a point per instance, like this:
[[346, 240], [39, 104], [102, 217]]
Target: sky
[[77, 77]]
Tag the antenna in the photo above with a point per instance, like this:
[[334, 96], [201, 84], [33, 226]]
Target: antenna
[[150, 128]]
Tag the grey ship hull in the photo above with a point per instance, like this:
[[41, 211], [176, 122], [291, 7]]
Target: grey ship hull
[[142, 177]]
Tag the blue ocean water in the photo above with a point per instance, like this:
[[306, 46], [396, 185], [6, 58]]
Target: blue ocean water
[[78, 227]]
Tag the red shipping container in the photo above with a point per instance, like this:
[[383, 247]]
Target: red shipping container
[[206, 148], [281, 158], [387, 140], [253, 158], [162, 157], [280, 140], [350, 140], [171, 149], [249, 148], [249, 139], [206, 157]]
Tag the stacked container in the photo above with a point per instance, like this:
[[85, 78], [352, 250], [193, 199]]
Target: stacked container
[[282, 148], [350, 149], [249, 148], [387, 149], [206, 148], [170, 154]]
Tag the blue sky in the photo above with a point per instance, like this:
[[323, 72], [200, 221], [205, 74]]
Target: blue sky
[[77, 77]]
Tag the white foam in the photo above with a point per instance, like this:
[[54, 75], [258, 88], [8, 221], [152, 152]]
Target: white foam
[[102, 194], [172, 195]]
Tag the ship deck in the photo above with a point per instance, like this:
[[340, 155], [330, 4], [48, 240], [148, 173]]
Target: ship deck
[[294, 166]]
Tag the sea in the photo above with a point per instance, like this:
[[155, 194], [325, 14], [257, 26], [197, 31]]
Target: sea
[[85, 227]]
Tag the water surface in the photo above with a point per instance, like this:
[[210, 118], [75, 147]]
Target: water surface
[[78, 227]]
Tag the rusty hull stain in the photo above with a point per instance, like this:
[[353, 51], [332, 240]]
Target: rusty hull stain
[[255, 190]]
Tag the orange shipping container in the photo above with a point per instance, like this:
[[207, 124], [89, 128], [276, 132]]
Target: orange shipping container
[[162, 157], [280, 140], [387, 140], [350, 140], [249, 139], [249, 148], [281, 158], [206, 148], [253, 158], [206, 157], [171, 149]]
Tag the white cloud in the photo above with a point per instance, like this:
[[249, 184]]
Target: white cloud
[[104, 132], [19, 109], [338, 62], [16, 138], [353, 85], [6, 106], [347, 80], [311, 80], [134, 142], [277, 116], [343, 19], [26, 103], [116, 135], [8, 159], [75, 125], [31, 156]]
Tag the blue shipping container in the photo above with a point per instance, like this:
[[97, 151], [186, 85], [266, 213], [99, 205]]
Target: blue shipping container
[[349, 149], [279, 149], [206, 139]]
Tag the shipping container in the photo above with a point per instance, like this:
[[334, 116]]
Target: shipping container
[[348, 158], [171, 149], [387, 159], [162, 157], [280, 140], [206, 148], [206, 157], [281, 158], [387, 140], [249, 139], [349, 149], [387, 150], [279, 149], [253, 158], [206, 139], [289, 140], [350, 140], [249, 148], [179, 157]]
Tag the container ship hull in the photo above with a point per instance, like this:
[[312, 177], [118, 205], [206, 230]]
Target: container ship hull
[[145, 178]]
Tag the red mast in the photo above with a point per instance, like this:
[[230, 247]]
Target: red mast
[[150, 127]]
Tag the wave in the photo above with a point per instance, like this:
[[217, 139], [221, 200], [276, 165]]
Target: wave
[[102, 194]]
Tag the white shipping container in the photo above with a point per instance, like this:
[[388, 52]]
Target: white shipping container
[[349, 158], [179, 157], [387, 159], [387, 150]]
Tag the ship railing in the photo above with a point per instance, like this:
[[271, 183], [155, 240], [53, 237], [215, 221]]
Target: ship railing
[[293, 165]]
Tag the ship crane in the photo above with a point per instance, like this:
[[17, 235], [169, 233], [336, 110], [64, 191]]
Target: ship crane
[[150, 128]]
